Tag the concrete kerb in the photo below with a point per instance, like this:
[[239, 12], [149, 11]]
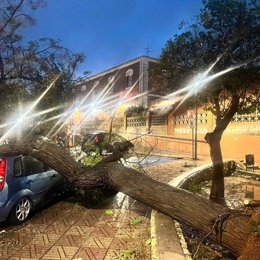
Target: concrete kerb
[[171, 245], [175, 251]]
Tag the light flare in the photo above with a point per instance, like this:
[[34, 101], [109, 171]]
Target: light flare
[[193, 88], [29, 110]]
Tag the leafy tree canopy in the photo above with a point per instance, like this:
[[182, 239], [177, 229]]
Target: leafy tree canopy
[[226, 31], [224, 28], [27, 68]]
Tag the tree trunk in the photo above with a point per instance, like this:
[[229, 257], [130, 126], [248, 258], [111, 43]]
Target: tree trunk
[[225, 226], [217, 186]]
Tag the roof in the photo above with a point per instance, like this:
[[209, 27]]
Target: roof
[[120, 66]]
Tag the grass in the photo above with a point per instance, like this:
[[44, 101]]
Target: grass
[[187, 165], [196, 188]]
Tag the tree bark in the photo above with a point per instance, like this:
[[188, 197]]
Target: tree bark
[[217, 192], [225, 226], [217, 186]]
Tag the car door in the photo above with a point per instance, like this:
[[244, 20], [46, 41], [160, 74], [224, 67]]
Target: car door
[[38, 180], [58, 181]]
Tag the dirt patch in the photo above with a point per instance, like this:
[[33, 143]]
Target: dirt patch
[[237, 188]]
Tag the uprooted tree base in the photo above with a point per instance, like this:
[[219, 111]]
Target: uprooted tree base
[[227, 227]]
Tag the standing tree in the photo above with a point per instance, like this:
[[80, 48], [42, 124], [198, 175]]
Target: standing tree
[[228, 29], [27, 68]]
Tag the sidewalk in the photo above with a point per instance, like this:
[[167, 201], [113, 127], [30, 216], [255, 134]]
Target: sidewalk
[[168, 241], [71, 231]]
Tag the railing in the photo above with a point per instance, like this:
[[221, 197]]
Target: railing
[[118, 122], [181, 120], [253, 117], [159, 120], [202, 118], [135, 121]]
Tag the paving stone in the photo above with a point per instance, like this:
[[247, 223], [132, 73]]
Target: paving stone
[[103, 232], [107, 223], [31, 251], [41, 219], [97, 242], [37, 228], [79, 230], [130, 232], [123, 254], [45, 239], [60, 252], [8, 250], [17, 238], [69, 231], [68, 219], [56, 228], [87, 253], [70, 240], [124, 243], [86, 221]]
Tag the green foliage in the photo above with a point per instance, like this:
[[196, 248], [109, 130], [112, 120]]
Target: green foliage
[[148, 242], [135, 221], [109, 212], [224, 28], [26, 69], [255, 228], [196, 188], [136, 110], [188, 164], [91, 159], [127, 254]]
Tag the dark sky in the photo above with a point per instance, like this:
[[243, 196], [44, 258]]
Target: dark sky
[[110, 32]]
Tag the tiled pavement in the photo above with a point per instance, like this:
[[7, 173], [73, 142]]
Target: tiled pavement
[[68, 230]]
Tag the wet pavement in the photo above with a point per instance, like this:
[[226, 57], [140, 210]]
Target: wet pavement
[[68, 230], [147, 161]]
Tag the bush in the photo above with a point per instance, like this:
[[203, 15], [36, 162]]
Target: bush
[[136, 110]]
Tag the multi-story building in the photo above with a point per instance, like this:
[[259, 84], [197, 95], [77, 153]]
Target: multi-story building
[[131, 77]]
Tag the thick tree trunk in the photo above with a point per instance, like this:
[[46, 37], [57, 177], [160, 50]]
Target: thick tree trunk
[[227, 227], [217, 186]]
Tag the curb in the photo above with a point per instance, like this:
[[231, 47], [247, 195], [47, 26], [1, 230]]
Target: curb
[[157, 224], [153, 237]]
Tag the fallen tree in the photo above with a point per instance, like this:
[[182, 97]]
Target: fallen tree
[[228, 227]]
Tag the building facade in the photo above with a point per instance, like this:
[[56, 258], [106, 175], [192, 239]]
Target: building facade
[[131, 77]]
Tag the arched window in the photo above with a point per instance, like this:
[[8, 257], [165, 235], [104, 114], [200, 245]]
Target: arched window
[[129, 78], [83, 88]]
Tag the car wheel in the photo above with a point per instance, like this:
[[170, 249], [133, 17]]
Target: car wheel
[[20, 211]]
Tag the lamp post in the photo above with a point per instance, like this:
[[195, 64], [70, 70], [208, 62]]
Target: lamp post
[[196, 130]]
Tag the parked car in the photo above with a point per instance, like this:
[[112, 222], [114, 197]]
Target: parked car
[[26, 183], [99, 142]]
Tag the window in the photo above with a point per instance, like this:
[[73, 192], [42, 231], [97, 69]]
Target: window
[[32, 165], [83, 88], [18, 167], [129, 78]]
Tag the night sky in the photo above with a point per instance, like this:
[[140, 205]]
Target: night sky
[[111, 32]]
